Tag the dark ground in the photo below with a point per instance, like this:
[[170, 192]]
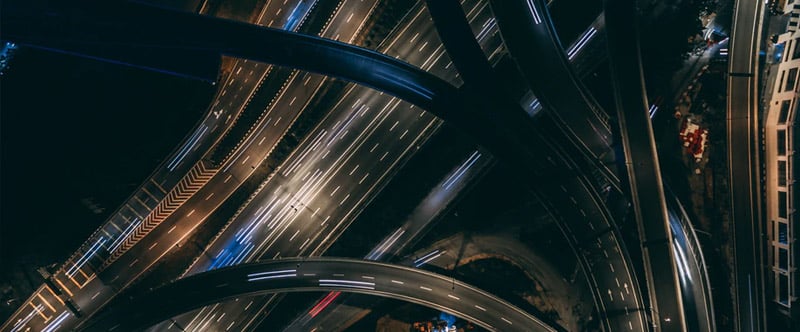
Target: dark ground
[[77, 137]]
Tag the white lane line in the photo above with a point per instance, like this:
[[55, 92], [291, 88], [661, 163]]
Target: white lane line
[[506, 320], [453, 296], [398, 282], [305, 243], [364, 109], [271, 275], [346, 283], [480, 308], [426, 288], [437, 53]]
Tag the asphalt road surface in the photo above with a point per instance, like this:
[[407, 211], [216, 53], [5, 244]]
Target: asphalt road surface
[[743, 164]]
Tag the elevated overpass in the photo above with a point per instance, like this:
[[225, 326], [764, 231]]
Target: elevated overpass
[[644, 172], [313, 275], [530, 36], [744, 165]]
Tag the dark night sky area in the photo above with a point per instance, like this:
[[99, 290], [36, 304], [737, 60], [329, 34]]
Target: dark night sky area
[[73, 129]]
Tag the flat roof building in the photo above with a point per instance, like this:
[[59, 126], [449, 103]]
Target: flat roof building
[[780, 190]]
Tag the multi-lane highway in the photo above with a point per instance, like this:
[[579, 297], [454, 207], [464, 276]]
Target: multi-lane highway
[[744, 166]]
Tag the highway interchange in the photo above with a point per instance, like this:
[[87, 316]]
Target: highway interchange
[[319, 189]]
